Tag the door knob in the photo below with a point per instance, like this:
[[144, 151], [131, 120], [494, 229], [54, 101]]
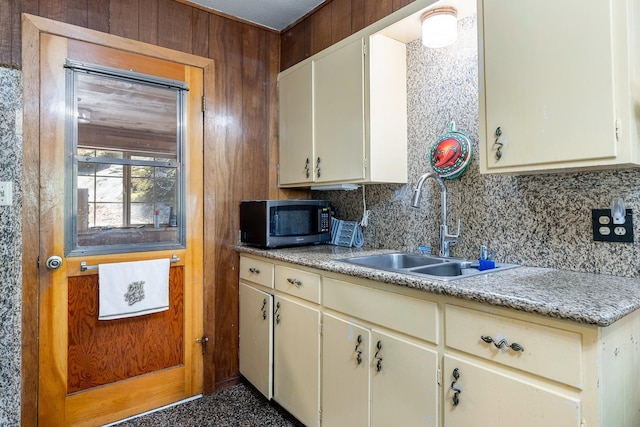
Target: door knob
[[54, 262]]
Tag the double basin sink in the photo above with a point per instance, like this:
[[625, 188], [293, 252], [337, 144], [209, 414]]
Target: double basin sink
[[441, 268]]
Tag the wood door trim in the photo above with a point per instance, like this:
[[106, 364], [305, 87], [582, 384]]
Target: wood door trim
[[32, 28]]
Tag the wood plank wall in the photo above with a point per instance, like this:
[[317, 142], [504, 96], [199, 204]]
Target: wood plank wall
[[333, 22]]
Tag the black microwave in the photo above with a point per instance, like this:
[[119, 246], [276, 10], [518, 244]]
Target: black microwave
[[279, 223]]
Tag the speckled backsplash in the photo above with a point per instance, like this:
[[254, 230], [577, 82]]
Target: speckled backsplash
[[10, 246], [537, 220]]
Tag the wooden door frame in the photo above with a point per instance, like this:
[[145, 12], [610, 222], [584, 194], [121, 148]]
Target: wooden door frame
[[32, 28]]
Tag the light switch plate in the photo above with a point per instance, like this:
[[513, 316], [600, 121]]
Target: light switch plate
[[604, 230], [6, 193]]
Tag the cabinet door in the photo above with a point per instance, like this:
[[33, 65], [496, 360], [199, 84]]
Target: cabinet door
[[491, 397], [256, 344], [296, 366], [296, 129], [404, 385], [548, 84], [345, 373], [339, 124]]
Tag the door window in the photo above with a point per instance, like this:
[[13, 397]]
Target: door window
[[125, 136]]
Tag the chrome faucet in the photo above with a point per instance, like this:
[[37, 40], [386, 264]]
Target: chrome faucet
[[445, 238]]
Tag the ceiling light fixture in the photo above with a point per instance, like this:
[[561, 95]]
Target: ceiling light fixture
[[439, 26]]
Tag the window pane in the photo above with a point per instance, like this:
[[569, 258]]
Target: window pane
[[128, 169]]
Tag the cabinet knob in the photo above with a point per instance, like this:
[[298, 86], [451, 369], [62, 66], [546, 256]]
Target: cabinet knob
[[254, 270]]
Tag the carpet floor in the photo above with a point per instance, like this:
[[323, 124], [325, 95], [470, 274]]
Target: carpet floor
[[237, 406]]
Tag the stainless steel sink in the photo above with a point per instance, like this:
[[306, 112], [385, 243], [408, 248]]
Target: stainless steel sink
[[440, 268], [395, 261]]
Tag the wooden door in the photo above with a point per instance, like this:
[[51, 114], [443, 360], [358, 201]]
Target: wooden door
[[95, 371]]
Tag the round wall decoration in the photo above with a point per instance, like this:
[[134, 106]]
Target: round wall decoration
[[451, 154]]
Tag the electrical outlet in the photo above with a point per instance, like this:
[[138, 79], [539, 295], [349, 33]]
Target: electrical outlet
[[6, 193], [604, 230]]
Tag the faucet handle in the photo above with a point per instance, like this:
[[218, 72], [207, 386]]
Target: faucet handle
[[457, 231]]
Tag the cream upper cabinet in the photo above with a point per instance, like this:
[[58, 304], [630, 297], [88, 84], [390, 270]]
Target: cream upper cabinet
[[557, 86], [343, 115], [296, 125]]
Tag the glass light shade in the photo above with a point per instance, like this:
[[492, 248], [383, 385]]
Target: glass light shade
[[439, 27]]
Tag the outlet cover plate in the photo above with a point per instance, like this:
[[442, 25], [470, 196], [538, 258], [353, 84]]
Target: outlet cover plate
[[6, 193], [604, 230]]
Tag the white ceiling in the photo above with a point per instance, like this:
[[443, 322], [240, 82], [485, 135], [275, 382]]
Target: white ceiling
[[274, 14]]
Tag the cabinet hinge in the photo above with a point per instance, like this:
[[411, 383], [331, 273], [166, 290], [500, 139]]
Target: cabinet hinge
[[38, 263], [364, 49], [618, 126], [439, 376], [204, 103], [583, 423], [320, 329]]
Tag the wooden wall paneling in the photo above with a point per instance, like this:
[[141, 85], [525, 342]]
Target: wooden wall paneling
[[273, 64], [296, 44], [399, 4], [148, 24], [358, 14], [69, 11], [98, 15], [174, 25], [6, 31], [321, 29], [375, 10], [224, 153], [123, 18], [200, 32], [340, 20], [255, 151]]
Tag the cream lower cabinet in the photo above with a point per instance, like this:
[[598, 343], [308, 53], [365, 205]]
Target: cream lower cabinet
[[370, 376], [256, 337], [296, 362], [486, 396]]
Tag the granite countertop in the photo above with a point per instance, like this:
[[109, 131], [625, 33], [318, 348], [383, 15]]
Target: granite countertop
[[593, 299]]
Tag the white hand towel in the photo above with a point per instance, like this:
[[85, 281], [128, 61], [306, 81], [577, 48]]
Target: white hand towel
[[128, 289]]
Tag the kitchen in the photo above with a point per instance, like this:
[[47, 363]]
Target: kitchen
[[532, 220]]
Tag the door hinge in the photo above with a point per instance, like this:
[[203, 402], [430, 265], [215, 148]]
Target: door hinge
[[204, 103], [618, 126]]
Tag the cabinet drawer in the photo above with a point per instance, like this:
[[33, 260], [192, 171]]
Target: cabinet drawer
[[546, 351], [299, 283], [401, 313], [256, 271]]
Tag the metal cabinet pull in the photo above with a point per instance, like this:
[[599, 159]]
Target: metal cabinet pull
[[456, 390], [264, 309], [318, 167], [497, 142], [306, 168], [378, 357], [357, 350], [254, 270], [502, 343], [294, 281], [277, 313]]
